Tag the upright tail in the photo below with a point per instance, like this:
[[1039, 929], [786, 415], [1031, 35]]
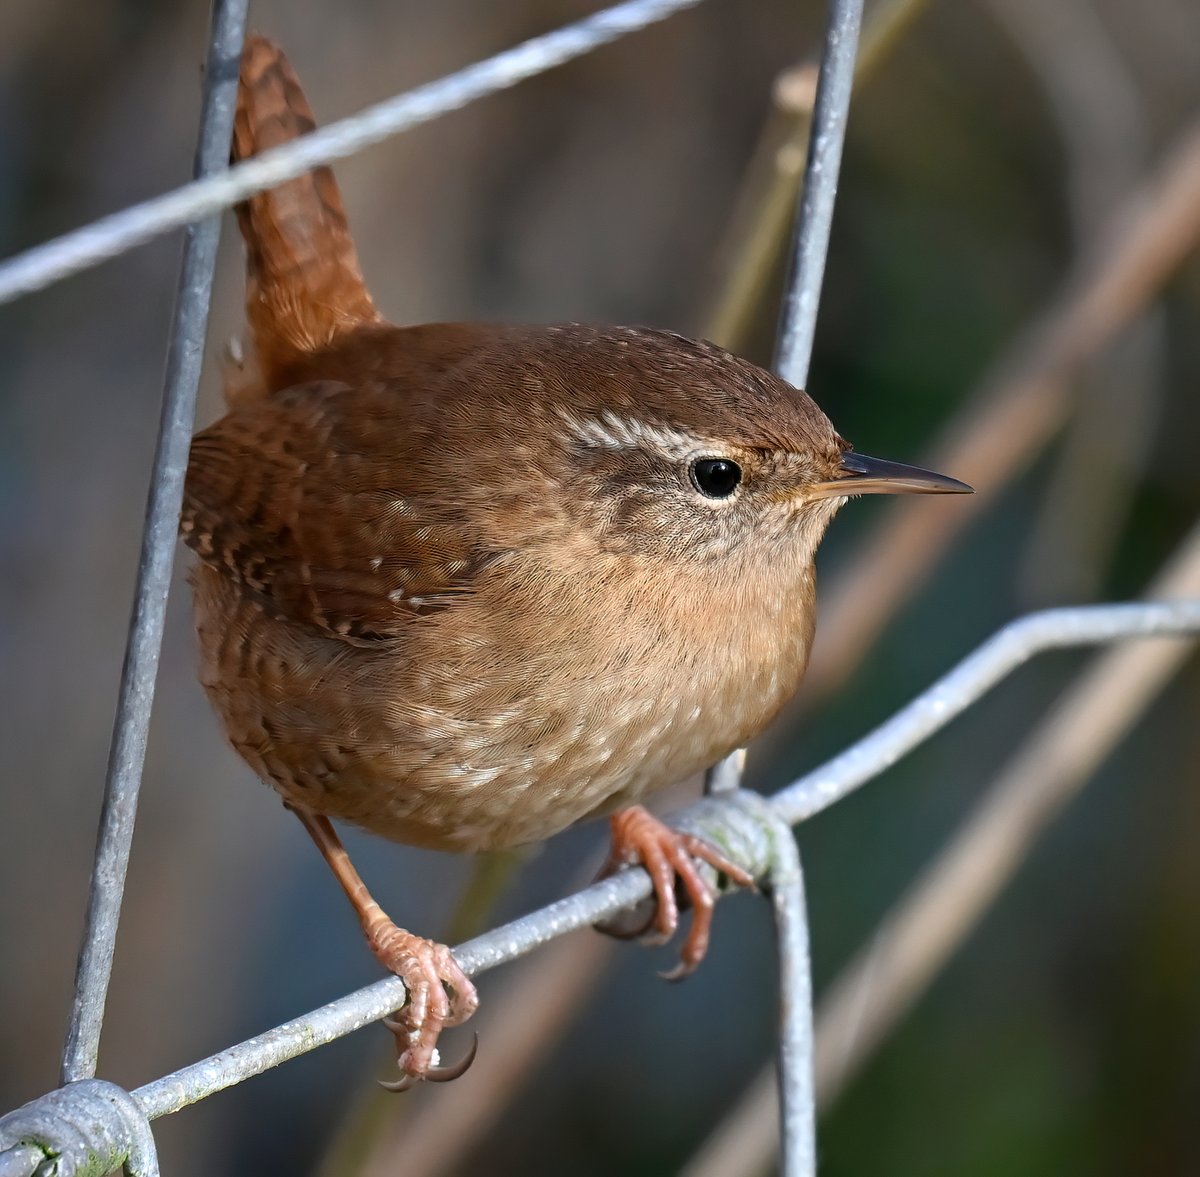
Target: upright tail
[[303, 282]]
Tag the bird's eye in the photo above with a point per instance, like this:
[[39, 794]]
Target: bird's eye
[[717, 478]]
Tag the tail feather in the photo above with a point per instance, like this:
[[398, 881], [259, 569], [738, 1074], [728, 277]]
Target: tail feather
[[303, 282]]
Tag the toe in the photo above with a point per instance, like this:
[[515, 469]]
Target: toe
[[707, 852], [439, 994], [668, 856]]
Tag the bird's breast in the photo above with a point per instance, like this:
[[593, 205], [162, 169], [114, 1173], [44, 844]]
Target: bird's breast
[[511, 715]]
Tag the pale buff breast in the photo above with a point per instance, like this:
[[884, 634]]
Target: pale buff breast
[[424, 742]]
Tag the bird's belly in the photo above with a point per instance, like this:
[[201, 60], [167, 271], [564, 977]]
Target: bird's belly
[[393, 743]]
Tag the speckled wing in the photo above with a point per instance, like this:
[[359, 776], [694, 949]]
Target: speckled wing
[[306, 499]]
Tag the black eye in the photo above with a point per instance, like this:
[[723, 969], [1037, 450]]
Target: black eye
[[717, 478]]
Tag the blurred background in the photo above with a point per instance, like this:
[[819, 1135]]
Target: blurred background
[[994, 149]]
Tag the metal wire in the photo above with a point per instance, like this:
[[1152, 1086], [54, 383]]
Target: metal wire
[[810, 241], [725, 820], [751, 830], [89, 1127], [796, 1050], [128, 751], [793, 353], [814, 218], [45, 264], [20, 1161], [997, 658]]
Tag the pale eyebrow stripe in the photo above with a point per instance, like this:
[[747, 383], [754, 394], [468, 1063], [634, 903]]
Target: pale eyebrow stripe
[[614, 431]]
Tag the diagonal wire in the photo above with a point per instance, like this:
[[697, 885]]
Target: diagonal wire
[[79, 250], [979, 672], [870, 756], [128, 750]]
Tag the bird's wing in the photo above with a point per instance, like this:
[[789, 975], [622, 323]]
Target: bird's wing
[[314, 500]]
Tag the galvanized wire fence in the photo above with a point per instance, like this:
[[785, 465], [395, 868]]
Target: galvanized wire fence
[[90, 1126]]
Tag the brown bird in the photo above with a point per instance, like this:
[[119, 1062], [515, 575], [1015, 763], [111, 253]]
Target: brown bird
[[466, 584]]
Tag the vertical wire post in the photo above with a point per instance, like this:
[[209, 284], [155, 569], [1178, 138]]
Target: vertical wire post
[[793, 355], [128, 751], [797, 1090], [810, 241], [814, 218]]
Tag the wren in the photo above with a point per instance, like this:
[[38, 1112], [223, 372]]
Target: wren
[[464, 585]]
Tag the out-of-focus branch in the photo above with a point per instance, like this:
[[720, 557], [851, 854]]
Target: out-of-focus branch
[[1093, 98], [744, 1142], [762, 219], [1013, 414], [925, 927], [1089, 494], [1102, 124]]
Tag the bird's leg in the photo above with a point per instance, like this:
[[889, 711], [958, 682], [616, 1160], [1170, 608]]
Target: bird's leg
[[638, 837], [426, 968]]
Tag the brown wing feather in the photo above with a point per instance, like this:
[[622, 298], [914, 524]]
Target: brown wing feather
[[296, 498]]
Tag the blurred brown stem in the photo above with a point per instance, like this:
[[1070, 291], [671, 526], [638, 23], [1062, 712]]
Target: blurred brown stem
[[1102, 123], [760, 227], [1015, 411], [925, 927]]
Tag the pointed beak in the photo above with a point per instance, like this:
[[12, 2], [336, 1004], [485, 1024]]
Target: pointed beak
[[861, 475]]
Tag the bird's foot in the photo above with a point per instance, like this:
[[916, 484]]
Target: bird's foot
[[638, 837], [440, 994]]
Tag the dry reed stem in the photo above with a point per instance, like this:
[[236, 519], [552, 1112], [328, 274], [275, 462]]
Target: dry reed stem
[[761, 225], [932, 919], [1103, 125], [1012, 415]]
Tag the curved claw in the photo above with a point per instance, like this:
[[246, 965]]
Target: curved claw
[[460, 1068], [398, 1085], [683, 969], [670, 857], [434, 1074]]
